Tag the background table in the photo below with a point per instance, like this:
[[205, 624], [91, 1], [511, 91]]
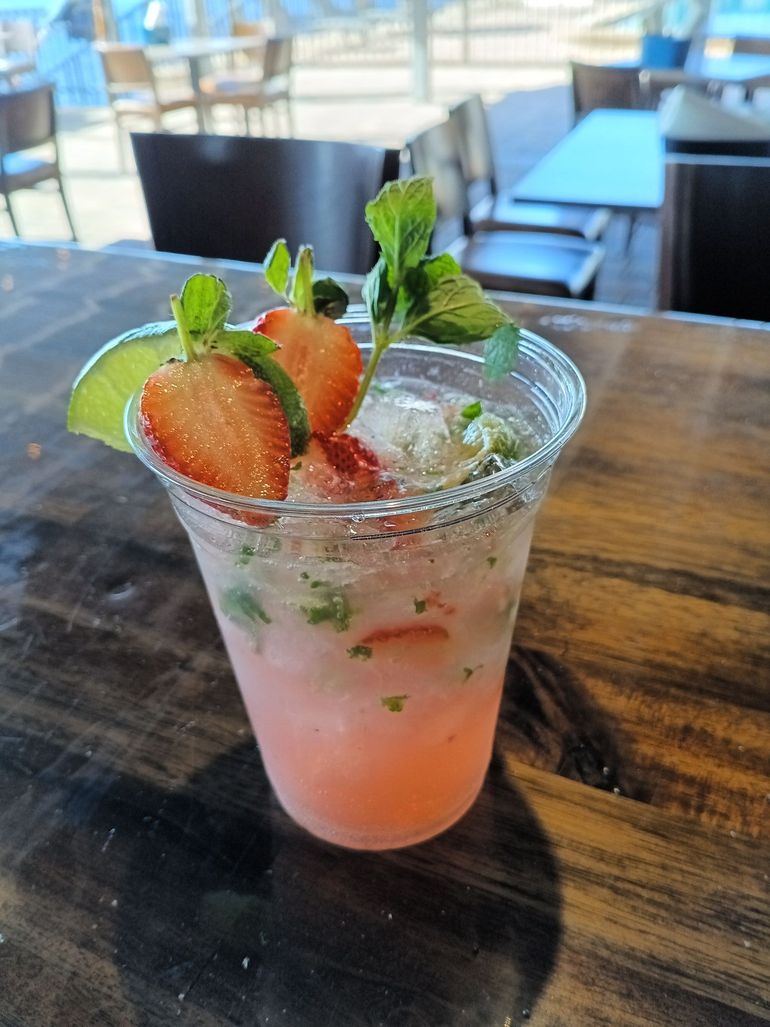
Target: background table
[[197, 52], [738, 69], [615, 869], [612, 158]]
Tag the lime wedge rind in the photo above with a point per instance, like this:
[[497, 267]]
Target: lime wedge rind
[[113, 375]]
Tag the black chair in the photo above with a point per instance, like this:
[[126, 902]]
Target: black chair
[[751, 44], [611, 86], [715, 237], [28, 121], [533, 262], [493, 211], [231, 196]]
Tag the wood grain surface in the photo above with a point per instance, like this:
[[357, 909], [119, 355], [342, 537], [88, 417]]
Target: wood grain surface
[[147, 876]]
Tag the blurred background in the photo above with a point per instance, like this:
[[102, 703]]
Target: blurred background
[[370, 71]]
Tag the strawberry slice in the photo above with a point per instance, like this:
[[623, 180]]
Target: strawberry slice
[[342, 468], [407, 633], [349, 455], [321, 358], [212, 420]]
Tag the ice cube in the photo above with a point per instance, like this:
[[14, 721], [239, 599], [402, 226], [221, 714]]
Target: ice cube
[[408, 432]]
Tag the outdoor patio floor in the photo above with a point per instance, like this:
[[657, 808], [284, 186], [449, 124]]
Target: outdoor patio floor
[[530, 112]]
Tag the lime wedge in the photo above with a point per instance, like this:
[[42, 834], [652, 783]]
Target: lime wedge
[[112, 376]]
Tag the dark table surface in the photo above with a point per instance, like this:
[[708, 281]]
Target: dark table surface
[[616, 867]]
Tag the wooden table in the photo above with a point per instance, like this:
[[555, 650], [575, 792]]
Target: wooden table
[[612, 158], [616, 867]]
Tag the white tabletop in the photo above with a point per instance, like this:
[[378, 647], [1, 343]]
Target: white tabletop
[[192, 49]]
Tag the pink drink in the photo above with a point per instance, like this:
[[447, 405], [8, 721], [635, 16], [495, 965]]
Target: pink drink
[[370, 641]]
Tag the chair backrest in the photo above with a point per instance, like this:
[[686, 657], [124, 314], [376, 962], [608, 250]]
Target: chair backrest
[[252, 30], [715, 237], [125, 66], [435, 153], [242, 193], [278, 58], [27, 118], [248, 28], [604, 85], [469, 119], [751, 44]]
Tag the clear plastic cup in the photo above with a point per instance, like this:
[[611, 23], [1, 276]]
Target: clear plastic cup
[[369, 641]]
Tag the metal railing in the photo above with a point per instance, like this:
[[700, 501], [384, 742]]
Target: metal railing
[[510, 33]]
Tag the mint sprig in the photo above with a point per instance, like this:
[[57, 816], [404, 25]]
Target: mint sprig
[[394, 703], [201, 318], [277, 267], [323, 296], [409, 294]]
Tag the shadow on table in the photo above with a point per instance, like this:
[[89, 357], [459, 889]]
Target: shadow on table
[[237, 916]]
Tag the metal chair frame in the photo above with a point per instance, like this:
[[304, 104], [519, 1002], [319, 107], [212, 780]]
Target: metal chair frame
[[28, 121]]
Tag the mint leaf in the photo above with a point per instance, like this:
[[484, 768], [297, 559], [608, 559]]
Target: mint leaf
[[501, 351], [361, 652], [302, 287], [394, 703], [489, 435], [471, 411], [420, 605], [206, 302], [242, 607], [440, 267], [329, 298], [429, 272], [491, 560], [245, 555], [455, 311], [333, 608], [243, 344], [277, 267], [401, 218], [377, 293]]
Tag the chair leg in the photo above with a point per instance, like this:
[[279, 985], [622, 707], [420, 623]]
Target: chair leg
[[122, 162], [9, 208], [67, 212], [633, 221], [289, 119], [201, 116]]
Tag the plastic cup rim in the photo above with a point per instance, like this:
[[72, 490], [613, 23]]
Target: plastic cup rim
[[532, 344]]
